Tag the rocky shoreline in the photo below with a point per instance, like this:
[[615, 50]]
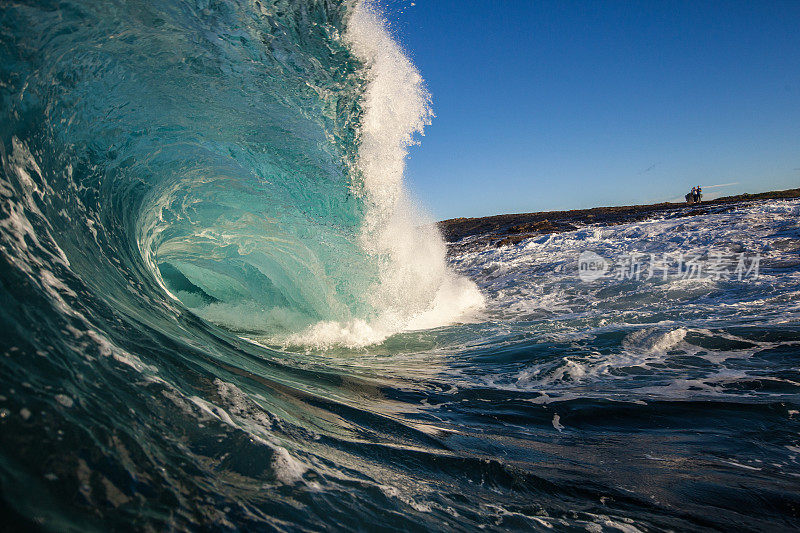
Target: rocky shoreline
[[503, 230]]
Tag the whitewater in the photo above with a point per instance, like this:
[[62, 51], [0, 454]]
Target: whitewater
[[222, 309]]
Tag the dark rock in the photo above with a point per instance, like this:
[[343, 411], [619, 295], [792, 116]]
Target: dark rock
[[502, 230]]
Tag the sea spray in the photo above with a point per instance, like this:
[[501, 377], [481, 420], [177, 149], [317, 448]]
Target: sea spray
[[416, 289]]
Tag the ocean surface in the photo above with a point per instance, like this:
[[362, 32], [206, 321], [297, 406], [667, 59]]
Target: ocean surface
[[221, 309]]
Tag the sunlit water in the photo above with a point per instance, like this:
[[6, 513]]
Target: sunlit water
[[220, 311]]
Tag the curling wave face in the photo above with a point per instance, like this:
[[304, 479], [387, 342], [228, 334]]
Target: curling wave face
[[293, 226], [220, 310], [254, 157]]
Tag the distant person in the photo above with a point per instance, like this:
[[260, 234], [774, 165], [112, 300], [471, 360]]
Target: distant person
[[690, 197], [699, 192]]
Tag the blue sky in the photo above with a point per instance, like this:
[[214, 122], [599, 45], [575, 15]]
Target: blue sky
[[546, 105]]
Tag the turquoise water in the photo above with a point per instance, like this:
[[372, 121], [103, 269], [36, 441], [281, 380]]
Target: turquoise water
[[221, 309]]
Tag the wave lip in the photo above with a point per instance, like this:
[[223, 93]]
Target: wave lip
[[415, 289], [282, 214]]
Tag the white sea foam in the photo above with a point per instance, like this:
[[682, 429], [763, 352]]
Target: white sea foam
[[417, 289], [666, 330]]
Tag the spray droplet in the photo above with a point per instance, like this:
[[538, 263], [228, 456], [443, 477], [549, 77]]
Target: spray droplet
[[64, 400], [557, 423]]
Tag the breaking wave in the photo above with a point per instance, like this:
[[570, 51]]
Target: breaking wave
[[222, 310]]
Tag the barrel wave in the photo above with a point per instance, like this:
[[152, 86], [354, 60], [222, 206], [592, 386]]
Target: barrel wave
[[223, 310], [250, 159]]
